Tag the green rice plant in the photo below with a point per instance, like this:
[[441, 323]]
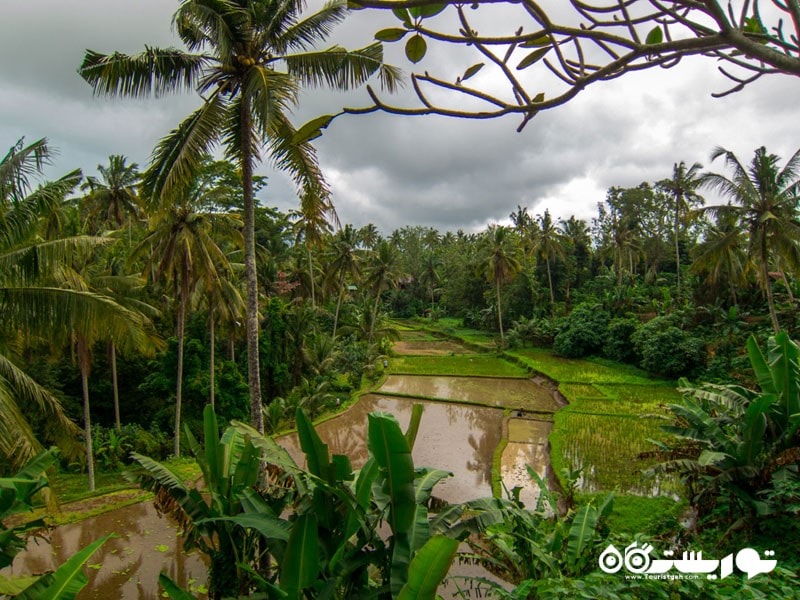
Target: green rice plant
[[591, 371], [651, 394], [476, 365], [608, 448], [574, 391]]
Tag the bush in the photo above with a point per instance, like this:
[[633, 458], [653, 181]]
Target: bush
[[665, 349], [582, 332], [617, 345]]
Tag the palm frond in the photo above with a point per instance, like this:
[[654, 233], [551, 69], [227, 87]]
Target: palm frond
[[177, 157], [299, 160], [19, 164], [156, 71], [314, 29], [17, 441], [212, 23], [49, 312], [31, 262], [343, 69]]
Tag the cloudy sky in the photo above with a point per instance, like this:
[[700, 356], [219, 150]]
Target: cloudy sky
[[390, 170]]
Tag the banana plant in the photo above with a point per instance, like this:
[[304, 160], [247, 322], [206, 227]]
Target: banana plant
[[522, 545], [230, 466], [322, 531], [733, 441]]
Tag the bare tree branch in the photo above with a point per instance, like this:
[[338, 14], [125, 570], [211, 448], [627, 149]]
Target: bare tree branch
[[578, 43]]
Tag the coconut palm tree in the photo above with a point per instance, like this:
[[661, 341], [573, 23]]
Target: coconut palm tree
[[548, 245], [382, 274], [682, 187], [500, 265], [35, 302], [722, 255], [253, 56], [311, 225], [430, 275], [344, 261], [764, 199], [113, 198], [181, 250]]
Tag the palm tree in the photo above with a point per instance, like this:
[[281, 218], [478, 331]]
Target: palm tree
[[682, 188], [130, 335], [430, 274], [182, 252], [311, 225], [722, 255], [113, 198], [764, 199], [500, 265], [547, 244], [575, 233], [34, 302], [382, 273], [343, 262], [244, 45]]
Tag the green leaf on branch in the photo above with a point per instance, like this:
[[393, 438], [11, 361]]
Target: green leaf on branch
[[311, 130], [390, 35], [532, 58], [656, 36], [542, 39], [471, 71], [416, 47], [402, 14], [428, 10]]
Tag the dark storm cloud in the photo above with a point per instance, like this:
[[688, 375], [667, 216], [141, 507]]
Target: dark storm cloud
[[390, 170]]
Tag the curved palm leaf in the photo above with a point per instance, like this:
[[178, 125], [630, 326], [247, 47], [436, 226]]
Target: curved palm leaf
[[155, 71]]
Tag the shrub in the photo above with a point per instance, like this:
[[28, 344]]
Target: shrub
[[665, 349], [617, 345], [582, 332]]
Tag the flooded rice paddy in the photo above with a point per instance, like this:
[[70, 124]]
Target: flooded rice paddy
[[465, 419], [126, 566]]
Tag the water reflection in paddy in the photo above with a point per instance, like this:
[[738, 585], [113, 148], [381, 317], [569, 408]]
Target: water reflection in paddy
[[453, 437], [126, 566], [505, 393]]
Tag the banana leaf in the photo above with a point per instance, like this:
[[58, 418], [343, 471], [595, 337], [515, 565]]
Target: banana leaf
[[428, 568], [67, 580]]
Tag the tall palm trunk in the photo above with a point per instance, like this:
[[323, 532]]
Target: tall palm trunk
[[184, 294], [115, 384], [84, 364], [311, 276], [374, 316], [338, 305], [773, 315], [677, 250], [251, 325], [499, 312], [211, 354], [550, 283]]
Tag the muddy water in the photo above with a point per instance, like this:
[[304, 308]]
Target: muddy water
[[454, 437], [457, 438], [505, 393], [527, 446], [126, 566]]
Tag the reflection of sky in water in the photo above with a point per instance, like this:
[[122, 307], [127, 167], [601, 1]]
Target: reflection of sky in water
[[499, 392], [457, 438]]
